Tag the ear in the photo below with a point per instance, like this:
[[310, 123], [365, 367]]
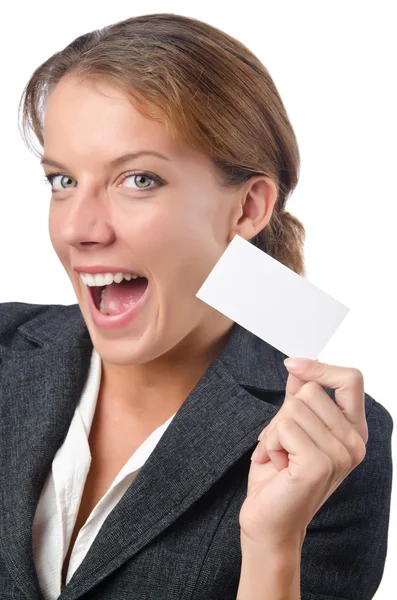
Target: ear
[[254, 207]]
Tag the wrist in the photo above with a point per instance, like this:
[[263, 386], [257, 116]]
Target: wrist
[[269, 573], [277, 548]]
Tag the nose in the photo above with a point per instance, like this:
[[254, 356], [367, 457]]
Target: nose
[[83, 221]]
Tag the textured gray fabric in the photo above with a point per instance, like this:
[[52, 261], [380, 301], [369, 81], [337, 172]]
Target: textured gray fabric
[[175, 533]]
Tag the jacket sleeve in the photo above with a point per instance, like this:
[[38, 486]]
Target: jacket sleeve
[[344, 551]]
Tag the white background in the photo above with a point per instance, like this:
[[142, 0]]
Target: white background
[[334, 64]]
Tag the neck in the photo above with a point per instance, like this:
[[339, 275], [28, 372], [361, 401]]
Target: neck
[[159, 387]]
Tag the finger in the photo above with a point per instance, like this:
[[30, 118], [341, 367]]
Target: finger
[[294, 384], [308, 421], [321, 419], [307, 464], [309, 395], [344, 446], [313, 396], [348, 384], [304, 457], [262, 455]]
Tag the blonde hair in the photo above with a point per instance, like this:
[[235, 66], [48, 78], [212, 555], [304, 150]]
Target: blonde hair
[[211, 91]]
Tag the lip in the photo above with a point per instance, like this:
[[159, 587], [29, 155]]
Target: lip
[[104, 269], [116, 321]]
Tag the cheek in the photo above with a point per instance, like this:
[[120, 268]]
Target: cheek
[[176, 246], [169, 228], [55, 233]]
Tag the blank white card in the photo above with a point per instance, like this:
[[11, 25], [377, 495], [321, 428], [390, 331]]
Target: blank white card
[[273, 302]]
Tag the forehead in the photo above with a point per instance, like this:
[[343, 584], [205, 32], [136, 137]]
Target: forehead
[[94, 116], [90, 100], [91, 123]]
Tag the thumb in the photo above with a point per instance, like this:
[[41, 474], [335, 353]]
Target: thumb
[[294, 384]]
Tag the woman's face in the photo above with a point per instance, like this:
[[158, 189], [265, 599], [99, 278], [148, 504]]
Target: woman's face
[[171, 222]]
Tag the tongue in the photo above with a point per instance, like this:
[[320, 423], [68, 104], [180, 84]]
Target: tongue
[[120, 297]]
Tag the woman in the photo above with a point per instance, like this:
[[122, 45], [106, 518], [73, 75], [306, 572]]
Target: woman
[[130, 419]]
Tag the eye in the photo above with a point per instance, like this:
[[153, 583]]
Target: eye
[[49, 178], [139, 178]]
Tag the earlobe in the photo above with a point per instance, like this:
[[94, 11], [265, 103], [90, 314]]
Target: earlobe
[[245, 230]]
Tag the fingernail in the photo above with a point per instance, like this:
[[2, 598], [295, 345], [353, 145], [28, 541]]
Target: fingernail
[[297, 364]]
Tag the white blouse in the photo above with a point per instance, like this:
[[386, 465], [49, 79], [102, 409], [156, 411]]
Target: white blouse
[[60, 498]]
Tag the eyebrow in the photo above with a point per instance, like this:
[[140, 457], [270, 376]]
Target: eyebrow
[[114, 163]]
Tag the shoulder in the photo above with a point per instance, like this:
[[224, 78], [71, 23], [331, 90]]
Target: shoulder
[[377, 464], [378, 459], [15, 314], [380, 422]]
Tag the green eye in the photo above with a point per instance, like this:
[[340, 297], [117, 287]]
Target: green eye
[[139, 178], [68, 180], [51, 176]]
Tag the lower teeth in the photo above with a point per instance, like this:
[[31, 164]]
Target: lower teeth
[[102, 308]]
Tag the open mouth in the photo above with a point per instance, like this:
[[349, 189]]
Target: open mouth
[[118, 297], [96, 293]]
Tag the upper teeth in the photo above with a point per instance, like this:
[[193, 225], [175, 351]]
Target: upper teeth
[[101, 279]]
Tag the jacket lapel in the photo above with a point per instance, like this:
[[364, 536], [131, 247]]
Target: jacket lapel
[[218, 423]]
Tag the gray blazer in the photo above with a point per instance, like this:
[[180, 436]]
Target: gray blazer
[[175, 533]]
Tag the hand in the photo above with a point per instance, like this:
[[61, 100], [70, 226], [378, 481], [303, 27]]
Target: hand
[[304, 453]]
